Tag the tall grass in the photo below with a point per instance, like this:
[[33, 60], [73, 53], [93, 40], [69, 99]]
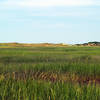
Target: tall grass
[[38, 90], [50, 73]]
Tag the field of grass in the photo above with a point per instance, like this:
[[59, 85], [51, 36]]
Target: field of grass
[[49, 73]]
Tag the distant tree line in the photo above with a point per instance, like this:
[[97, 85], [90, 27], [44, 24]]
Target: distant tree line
[[95, 43]]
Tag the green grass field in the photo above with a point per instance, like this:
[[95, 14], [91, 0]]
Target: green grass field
[[49, 73]]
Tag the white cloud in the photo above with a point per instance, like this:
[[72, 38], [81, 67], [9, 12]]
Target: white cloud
[[49, 3], [42, 11]]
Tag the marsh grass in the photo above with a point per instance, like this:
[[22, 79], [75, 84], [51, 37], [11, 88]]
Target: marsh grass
[[50, 73]]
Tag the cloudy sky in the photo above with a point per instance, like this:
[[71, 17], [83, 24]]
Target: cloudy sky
[[53, 21]]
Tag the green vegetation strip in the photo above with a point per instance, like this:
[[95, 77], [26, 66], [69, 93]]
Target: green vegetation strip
[[41, 90]]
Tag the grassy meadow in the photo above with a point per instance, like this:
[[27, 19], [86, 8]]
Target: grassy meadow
[[49, 73]]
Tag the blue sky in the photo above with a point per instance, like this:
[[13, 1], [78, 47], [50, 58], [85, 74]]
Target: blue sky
[[52, 21]]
